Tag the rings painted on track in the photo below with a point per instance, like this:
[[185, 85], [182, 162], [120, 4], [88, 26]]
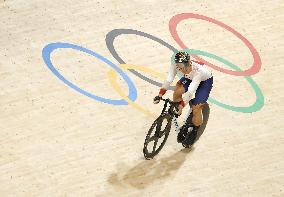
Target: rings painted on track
[[259, 102], [112, 76], [110, 37], [48, 49], [257, 61]]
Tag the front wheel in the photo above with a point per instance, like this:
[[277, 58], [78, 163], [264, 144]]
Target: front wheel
[[159, 131]]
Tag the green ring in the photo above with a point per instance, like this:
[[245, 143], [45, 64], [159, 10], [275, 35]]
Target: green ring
[[259, 102]]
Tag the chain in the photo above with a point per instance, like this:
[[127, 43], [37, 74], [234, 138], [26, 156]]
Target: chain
[[176, 124], [177, 127]]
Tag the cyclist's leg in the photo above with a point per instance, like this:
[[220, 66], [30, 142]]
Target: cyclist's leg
[[197, 114], [179, 90], [201, 97]]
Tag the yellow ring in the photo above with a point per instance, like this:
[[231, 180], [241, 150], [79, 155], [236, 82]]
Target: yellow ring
[[112, 74]]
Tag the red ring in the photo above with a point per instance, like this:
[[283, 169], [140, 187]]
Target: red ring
[[256, 63]]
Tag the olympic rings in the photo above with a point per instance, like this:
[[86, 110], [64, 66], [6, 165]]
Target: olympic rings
[[257, 61], [116, 32], [112, 76], [48, 49]]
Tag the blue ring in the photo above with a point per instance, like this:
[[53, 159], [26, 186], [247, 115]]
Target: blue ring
[[48, 49]]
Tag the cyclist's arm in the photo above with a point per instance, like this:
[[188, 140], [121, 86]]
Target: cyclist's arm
[[170, 78]]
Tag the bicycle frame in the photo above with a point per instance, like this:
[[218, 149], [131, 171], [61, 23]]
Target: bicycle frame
[[177, 126], [169, 114]]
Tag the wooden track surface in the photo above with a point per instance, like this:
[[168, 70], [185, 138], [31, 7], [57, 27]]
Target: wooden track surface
[[55, 141]]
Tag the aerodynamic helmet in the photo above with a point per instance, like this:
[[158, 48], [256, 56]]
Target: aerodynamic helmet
[[182, 57]]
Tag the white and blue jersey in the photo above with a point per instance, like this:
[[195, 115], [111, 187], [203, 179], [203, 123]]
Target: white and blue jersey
[[198, 81]]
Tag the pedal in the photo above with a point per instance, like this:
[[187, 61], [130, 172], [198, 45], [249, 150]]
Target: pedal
[[182, 134], [190, 138]]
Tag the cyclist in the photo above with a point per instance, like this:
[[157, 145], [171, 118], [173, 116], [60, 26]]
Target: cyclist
[[198, 79]]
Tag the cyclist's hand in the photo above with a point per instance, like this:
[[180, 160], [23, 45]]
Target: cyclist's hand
[[179, 110], [156, 100]]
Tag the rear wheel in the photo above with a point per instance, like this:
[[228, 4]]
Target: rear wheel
[[205, 114]]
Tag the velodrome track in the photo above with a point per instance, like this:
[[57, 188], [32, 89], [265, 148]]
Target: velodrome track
[[73, 118]]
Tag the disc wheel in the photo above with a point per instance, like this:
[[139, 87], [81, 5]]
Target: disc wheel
[[205, 113]]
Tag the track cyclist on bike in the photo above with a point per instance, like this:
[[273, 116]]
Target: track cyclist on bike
[[196, 79]]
